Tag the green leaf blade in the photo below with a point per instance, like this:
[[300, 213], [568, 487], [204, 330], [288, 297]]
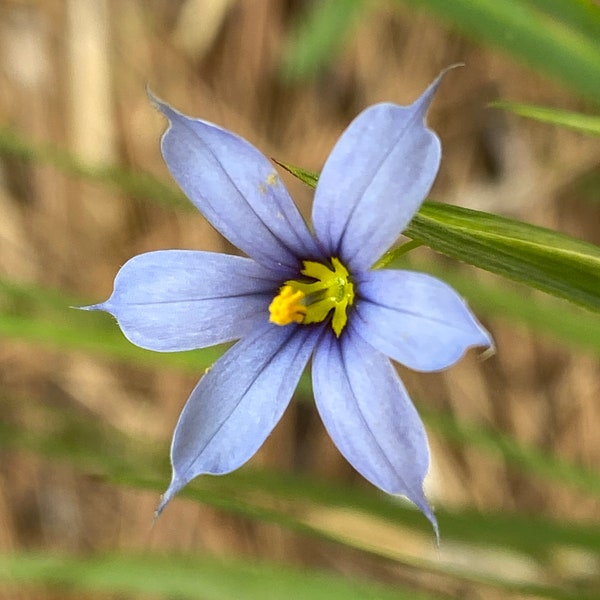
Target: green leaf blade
[[552, 40], [552, 262], [310, 178], [588, 124]]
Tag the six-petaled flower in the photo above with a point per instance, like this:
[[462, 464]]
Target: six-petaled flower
[[300, 294]]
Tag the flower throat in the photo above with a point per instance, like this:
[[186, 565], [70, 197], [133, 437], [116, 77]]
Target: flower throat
[[312, 299]]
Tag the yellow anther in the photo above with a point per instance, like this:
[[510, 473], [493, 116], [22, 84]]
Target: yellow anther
[[287, 307], [323, 292]]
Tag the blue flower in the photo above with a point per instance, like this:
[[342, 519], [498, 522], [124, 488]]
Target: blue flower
[[301, 294]]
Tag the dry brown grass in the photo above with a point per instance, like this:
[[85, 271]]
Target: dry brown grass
[[74, 73]]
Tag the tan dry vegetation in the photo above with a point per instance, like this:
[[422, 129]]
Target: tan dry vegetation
[[74, 73]]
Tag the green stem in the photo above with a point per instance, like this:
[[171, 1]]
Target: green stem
[[392, 255]]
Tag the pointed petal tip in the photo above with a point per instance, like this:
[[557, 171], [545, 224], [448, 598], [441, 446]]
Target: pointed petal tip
[[485, 345], [154, 99], [100, 306], [422, 103], [450, 67], [174, 487], [485, 342], [488, 352], [164, 500], [426, 510], [437, 532], [420, 501], [160, 105]]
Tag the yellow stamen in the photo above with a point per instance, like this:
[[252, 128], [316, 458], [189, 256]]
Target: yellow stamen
[[323, 291], [287, 307]]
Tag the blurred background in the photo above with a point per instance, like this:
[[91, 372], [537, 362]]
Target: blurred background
[[86, 418]]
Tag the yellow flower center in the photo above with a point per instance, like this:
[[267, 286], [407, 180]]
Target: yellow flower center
[[312, 299]]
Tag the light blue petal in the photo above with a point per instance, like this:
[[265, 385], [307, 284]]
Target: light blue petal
[[237, 189], [238, 402], [181, 299], [370, 417], [374, 181], [415, 318]]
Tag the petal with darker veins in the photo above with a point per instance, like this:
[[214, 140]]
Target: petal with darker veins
[[416, 319], [370, 416], [237, 403], [375, 180], [238, 191], [174, 300]]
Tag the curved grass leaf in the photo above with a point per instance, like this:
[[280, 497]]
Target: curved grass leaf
[[582, 16], [41, 315], [64, 434], [44, 317], [559, 39], [104, 341], [587, 124], [552, 262], [38, 315]]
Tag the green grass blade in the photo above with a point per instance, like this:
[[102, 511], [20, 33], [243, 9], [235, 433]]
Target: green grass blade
[[582, 16], [531, 32], [95, 447], [552, 262], [38, 315], [44, 317], [106, 342], [588, 124], [97, 333]]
